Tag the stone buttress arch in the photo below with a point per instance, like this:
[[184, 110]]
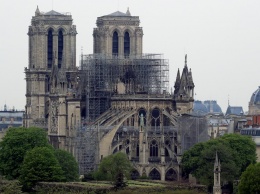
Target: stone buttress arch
[[106, 141]]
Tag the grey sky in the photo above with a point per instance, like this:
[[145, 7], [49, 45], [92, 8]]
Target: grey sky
[[221, 38]]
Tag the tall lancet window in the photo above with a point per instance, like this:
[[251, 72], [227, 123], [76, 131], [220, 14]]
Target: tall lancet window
[[50, 48], [154, 149], [60, 48], [126, 44], [115, 44]]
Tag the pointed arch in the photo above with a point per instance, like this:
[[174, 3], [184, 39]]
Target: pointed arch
[[60, 47], [135, 174], [115, 43], [155, 174], [171, 175], [155, 120], [50, 32], [154, 148], [126, 44]]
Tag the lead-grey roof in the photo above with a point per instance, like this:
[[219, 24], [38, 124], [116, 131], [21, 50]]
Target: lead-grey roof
[[199, 108], [52, 12], [212, 106], [255, 98], [234, 110], [118, 13]]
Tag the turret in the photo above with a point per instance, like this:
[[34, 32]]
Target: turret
[[217, 170], [184, 90]]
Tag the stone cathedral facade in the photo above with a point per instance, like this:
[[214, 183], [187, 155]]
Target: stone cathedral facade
[[51, 75], [118, 94]]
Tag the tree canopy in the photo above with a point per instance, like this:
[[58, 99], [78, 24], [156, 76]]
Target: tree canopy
[[250, 180], [68, 165], [114, 168], [235, 152], [40, 164], [14, 146]]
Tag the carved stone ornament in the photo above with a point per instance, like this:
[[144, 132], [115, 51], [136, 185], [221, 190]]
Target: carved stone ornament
[[54, 111]]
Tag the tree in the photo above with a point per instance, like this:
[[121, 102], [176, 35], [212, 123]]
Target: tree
[[199, 160], [14, 146], [40, 164], [250, 180], [244, 146], [115, 168], [68, 165]]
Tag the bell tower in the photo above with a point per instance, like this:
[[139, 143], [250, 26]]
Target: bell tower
[[118, 34], [52, 54]]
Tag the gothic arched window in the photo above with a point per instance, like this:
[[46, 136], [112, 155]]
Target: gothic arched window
[[171, 175], [155, 122], [154, 149], [50, 48], [115, 43], [126, 44], [60, 48], [155, 175]]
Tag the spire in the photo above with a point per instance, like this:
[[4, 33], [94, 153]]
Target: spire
[[37, 12], [186, 60], [217, 181], [128, 12], [216, 159], [178, 78]]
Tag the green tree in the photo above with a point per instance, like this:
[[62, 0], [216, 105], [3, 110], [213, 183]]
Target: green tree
[[40, 164], [244, 146], [199, 160], [115, 168], [250, 180], [14, 146], [68, 165]]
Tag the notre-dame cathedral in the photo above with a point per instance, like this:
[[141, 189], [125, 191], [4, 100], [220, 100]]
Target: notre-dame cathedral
[[117, 100]]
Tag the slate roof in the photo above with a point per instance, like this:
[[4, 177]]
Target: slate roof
[[234, 110], [118, 13], [52, 12], [213, 106], [199, 108]]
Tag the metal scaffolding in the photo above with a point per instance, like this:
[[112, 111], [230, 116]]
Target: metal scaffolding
[[192, 129], [86, 148], [102, 75]]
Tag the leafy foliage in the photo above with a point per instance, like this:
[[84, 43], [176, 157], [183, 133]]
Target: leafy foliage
[[68, 165], [244, 146], [40, 164], [235, 152], [250, 180], [14, 146], [115, 168]]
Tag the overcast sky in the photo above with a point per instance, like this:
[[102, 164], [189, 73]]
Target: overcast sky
[[220, 37]]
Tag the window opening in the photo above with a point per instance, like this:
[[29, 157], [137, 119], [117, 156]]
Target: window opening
[[155, 175], [127, 44], [60, 48], [154, 149], [115, 44], [50, 49]]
